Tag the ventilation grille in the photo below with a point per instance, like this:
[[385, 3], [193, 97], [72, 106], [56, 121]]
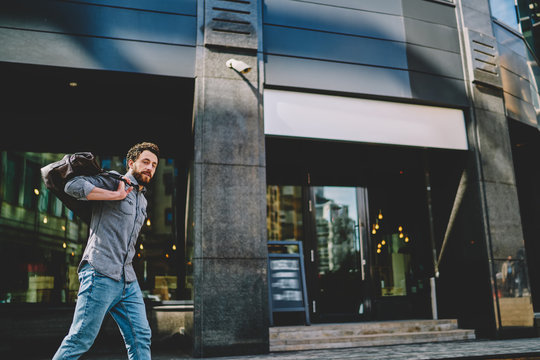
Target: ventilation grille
[[231, 23], [484, 59]]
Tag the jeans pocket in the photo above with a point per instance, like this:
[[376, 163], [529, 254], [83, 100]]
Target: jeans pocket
[[86, 278]]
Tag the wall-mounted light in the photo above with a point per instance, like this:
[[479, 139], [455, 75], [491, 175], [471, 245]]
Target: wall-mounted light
[[238, 65]]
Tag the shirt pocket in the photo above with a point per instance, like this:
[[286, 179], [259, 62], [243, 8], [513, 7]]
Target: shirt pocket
[[127, 206]]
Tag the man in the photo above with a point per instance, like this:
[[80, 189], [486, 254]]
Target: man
[[107, 279]]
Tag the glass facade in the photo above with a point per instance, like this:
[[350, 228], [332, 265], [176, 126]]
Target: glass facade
[[366, 249], [41, 241], [506, 12]]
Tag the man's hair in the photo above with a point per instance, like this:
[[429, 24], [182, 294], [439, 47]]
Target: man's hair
[[136, 150]]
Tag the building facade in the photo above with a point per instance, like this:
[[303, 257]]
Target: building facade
[[395, 140]]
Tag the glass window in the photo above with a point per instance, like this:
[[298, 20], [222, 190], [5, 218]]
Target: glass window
[[284, 219], [506, 12], [41, 241]]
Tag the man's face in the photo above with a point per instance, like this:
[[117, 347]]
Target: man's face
[[144, 167]]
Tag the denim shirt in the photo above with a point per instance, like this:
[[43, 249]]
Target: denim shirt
[[114, 227]]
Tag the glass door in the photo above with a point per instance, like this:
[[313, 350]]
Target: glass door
[[339, 290]]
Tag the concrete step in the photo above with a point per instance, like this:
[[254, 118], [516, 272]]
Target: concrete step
[[328, 336], [357, 329]]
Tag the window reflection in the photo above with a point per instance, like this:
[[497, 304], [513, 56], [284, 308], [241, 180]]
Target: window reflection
[[41, 241], [513, 293], [284, 219]]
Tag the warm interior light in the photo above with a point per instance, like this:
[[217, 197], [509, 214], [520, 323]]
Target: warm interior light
[[174, 247], [72, 253], [148, 222], [407, 239], [141, 247], [64, 245], [401, 235], [167, 256], [45, 220], [377, 226], [379, 246], [383, 242], [36, 191], [73, 84], [400, 229], [378, 251], [380, 215]]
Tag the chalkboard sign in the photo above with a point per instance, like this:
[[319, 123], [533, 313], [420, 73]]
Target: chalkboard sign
[[286, 281]]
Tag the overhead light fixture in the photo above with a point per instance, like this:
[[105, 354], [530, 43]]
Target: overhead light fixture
[[73, 84]]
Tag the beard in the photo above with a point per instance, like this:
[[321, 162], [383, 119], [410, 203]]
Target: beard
[[143, 178]]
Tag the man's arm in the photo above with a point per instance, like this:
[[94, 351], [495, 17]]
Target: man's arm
[[93, 188], [102, 194]]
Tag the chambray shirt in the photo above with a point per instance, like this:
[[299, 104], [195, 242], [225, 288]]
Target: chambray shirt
[[114, 226]]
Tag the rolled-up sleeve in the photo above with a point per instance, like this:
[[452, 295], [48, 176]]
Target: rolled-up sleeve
[[79, 188]]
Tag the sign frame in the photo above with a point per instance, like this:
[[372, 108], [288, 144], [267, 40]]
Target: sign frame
[[301, 277]]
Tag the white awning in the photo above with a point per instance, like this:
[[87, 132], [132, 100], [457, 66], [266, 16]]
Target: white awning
[[307, 115]]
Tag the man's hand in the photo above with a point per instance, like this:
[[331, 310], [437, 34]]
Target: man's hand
[[102, 194]]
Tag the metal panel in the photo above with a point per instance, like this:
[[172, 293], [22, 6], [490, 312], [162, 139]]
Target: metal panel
[[513, 61], [109, 22], [483, 58], [336, 47], [340, 20], [438, 89], [187, 7], [361, 120], [231, 23], [434, 61], [430, 11], [314, 74], [509, 39], [516, 85], [387, 6], [432, 35], [44, 48], [520, 110]]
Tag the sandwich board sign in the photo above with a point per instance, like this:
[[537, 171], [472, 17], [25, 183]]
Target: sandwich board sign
[[286, 280]]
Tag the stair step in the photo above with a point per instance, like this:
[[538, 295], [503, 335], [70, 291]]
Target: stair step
[[372, 340], [358, 329], [328, 336]]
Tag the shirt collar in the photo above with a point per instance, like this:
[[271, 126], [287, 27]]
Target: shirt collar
[[134, 182]]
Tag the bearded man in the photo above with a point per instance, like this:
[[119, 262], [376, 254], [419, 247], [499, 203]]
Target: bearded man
[[108, 283]]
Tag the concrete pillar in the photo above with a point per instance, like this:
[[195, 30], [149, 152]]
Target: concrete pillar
[[227, 207], [488, 225]]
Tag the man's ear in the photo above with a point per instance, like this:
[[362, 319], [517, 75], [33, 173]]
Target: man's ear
[[130, 164]]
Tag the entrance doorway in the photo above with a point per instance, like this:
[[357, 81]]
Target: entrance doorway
[[366, 249], [364, 223]]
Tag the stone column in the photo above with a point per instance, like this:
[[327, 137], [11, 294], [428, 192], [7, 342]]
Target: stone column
[[227, 208], [488, 225]]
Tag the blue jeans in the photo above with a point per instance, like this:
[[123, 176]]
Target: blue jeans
[[98, 295]]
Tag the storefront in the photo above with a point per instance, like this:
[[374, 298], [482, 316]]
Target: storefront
[[365, 211], [54, 111]]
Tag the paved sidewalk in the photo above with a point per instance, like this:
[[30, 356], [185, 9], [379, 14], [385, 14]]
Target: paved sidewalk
[[522, 349]]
